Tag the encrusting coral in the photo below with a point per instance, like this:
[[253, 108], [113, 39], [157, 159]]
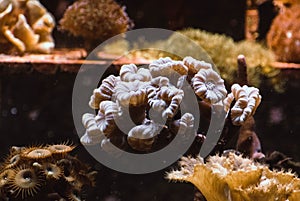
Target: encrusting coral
[[95, 20], [140, 110], [233, 177], [25, 26], [33, 173]]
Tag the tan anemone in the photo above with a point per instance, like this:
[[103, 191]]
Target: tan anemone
[[104, 92], [61, 148], [247, 100], [5, 176], [235, 178], [130, 72], [36, 153], [12, 161], [209, 86], [52, 171], [73, 194], [25, 182]]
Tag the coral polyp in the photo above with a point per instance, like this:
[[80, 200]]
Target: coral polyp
[[209, 86], [63, 148], [25, 182], [36, 153], [52, 171], [141, 109], [35, 172], [247, 99], [5, 176], [138, 106]]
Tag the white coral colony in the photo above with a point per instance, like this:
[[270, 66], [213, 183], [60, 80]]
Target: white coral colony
[[26, 25], [151, 99]]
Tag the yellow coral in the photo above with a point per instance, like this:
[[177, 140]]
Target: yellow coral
[[236, 178], [26, 25]]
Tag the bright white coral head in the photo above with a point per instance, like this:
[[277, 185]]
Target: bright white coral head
[[105, 119], [247, 100], [195, 65], [130, 72], [209, 86], [142, 137], [104, 92], [167, 99], [131, 93], [167, 67], [92, 135]]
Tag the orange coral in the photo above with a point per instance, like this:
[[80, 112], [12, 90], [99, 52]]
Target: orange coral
[[284, 36]]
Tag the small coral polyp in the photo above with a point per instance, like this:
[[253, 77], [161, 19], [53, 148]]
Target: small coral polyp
[[32, 173], [151, 99], [235, 178], [25, 26]]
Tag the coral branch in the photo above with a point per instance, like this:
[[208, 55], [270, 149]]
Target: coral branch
[[242, 70]]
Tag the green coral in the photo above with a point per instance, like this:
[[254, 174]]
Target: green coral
[[224, 51]]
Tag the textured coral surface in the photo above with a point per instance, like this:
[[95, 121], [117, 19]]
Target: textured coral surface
[[284, 35], [95, 19], [232, 177]]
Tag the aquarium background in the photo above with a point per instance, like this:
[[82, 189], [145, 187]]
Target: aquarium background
[[36, 108]]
